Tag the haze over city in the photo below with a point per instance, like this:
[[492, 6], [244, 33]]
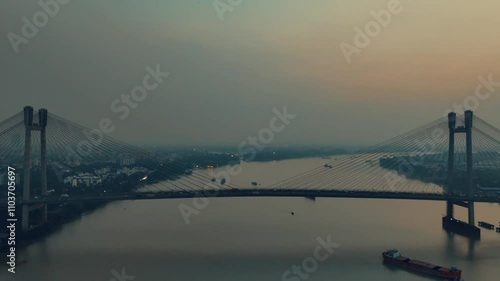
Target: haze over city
[[227, 76], [249, 140]]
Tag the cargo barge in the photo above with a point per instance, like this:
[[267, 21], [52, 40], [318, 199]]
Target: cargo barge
[[486, 225], [394, 257]]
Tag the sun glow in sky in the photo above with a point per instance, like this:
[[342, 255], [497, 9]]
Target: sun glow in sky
[[227, 75]]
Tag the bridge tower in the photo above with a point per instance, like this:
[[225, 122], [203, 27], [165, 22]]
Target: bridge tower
[[29, 127], [449, 222]]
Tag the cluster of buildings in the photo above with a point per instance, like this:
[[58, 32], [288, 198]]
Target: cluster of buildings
[[125, 160], [100, 175], [87, 179], [83, 179]]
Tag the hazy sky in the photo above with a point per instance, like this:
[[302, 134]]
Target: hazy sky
[[227, 75]]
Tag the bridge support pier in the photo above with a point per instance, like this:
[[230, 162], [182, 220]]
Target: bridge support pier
[[470, 175], [42, 120], [449, 222], [449, 209], [30, 126], [470, 213], [28, 123]]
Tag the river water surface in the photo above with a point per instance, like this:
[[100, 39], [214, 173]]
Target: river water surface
[[258, 238]]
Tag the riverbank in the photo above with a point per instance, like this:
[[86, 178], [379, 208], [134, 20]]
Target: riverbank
[[57, 218]]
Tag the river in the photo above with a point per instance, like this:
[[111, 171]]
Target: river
[[258, 239]]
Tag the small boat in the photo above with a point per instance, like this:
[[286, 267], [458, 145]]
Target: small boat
[[393, 257], [213, 179], [498, 229], [254, 183], [328, 166], [223, 181]]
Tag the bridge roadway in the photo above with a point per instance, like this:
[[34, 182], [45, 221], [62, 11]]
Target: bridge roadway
[[265, 193]]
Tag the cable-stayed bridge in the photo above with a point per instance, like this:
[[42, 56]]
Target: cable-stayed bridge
[[56, 161]]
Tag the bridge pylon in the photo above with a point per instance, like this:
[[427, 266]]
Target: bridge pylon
[[449, 222], [29, 127]]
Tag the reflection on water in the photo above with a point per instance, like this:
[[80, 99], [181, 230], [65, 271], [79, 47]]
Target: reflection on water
[[452, 244], [258, 238]]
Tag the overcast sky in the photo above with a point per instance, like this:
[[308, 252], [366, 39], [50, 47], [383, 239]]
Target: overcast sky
[[227, 75]]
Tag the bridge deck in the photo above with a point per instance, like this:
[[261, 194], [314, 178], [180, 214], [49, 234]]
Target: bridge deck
[[267, 193]]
